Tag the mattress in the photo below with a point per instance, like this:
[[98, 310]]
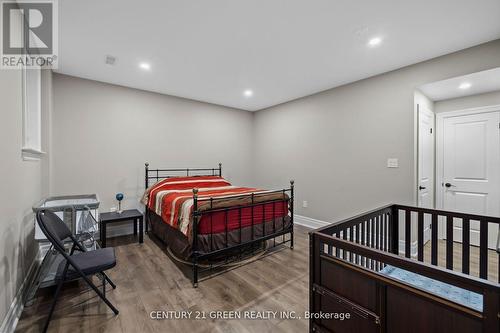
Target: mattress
[[456, 294], [172, 200]]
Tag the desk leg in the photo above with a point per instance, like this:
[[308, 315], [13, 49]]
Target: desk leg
[[135, 227], [141, 230]]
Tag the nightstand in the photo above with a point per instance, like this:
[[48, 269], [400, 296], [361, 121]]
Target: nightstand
[[127, 215]]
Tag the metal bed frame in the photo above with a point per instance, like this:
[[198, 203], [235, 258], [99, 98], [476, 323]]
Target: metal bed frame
[[228, 252]]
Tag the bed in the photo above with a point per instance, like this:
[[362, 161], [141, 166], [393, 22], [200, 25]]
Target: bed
[[378, 268], [208, 222]]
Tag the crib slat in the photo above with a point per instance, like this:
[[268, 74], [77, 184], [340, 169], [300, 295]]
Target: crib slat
[[377, 239], [372, 233], [434, 239], [483, 249], [337, 250], [363, 240], [407, 234], [420, 236], [394, 232], [449, 242], [465, 245], [383, 239], [344, 236], [372, 239], [351, 238]]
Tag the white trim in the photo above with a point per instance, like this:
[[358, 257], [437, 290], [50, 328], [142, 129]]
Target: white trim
[[465, 112], [413, 248], [415, 150], [16, 307], [33, 151], [27, 111], [309, 222], [315, 224], [30, 154]]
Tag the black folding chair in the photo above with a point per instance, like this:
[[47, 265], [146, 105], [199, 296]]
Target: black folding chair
[[75, 265]]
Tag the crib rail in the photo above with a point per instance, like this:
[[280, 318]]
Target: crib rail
[[350, 258], [400, 229]]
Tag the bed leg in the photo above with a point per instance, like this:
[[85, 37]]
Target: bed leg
[[292, 187], [195, 273]]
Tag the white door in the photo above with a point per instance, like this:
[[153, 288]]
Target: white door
[[471, 169], [426, 164]]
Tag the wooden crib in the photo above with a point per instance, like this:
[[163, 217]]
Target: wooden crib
[[368, 266]]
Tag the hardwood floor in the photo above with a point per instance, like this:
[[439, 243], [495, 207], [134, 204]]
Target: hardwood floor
[[457, 259], [148, 280]]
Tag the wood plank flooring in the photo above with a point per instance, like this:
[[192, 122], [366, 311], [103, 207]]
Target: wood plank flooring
[[457, 259], [148, 280]]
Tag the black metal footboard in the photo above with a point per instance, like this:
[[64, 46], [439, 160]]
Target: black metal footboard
[[232, 245]]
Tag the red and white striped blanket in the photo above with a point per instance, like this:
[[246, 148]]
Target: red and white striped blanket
[[172, 198]]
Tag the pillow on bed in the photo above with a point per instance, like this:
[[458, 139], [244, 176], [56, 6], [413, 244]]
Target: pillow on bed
[[184, 183]]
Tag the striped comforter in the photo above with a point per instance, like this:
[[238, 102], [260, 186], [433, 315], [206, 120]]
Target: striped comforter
[[172, 198]]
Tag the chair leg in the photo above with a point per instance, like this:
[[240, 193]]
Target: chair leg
[[109, 280], [53, 306], [99, 293]]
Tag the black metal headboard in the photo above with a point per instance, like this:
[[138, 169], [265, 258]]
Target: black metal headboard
[[158, 174]]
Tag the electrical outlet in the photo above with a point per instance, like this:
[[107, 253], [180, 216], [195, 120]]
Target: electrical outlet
[[304, 204], [113, 209], [392, 163]]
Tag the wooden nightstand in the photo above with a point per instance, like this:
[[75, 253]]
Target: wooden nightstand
[[127, 215]]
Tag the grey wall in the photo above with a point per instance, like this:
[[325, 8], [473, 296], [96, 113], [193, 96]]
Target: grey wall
[[103, 134], [474, 101], [22, 185], [336, 143]]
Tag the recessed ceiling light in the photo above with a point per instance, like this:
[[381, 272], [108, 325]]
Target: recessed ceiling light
[[375, 41], [145, 66], [465, 85], [248, 93], [110, 60]]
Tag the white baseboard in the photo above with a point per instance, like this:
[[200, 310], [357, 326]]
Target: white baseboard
[[314, 224], [309, 222], [413, 248], [9, 323]]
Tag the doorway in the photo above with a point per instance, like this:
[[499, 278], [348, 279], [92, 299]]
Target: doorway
[[468, 166], [425, 168]]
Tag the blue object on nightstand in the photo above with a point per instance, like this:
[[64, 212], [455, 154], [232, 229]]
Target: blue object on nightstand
[[119, 197]]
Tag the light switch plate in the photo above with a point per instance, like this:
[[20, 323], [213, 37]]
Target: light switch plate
[[392, 163]]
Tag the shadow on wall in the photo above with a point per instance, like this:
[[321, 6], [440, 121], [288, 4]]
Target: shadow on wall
[[18, 255], [6, 269]]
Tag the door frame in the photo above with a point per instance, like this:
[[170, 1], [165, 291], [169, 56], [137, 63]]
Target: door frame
[[432, 182], [440, 117]]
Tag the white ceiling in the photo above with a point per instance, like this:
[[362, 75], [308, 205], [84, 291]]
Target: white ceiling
[[480, 83], [281, 49]]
